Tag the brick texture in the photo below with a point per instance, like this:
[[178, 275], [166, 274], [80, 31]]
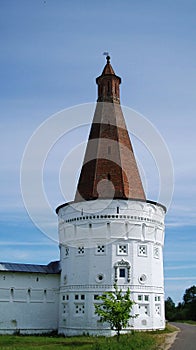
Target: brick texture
[[109, 169]]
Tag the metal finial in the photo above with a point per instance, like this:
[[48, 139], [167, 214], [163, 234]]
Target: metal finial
[[107, 56]]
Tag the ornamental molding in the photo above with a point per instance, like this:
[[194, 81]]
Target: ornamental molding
[[94, 287], [122, 263]]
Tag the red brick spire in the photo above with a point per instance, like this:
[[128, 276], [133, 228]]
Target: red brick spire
[[108, 84], [109, 169]]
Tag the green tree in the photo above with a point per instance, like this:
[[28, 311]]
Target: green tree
[[115, 309], [183, 311], [190, 303], [190, 295], [170, 309]]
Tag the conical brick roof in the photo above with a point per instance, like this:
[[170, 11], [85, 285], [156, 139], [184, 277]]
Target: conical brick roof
[[109, 169]]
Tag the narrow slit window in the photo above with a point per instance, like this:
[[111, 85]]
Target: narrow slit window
[[108, 86]]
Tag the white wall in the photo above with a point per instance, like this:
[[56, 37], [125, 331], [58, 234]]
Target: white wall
[[28, 302]]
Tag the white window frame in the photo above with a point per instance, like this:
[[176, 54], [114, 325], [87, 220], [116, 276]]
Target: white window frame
[[146, 250], [97, 247], [118, 247]]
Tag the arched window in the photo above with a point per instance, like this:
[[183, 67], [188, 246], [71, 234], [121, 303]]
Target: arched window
[[122, 270]]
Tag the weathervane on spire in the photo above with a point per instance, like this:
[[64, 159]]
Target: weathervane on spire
[[107, 56]]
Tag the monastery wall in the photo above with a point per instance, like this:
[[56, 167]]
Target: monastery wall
[[28, 302]]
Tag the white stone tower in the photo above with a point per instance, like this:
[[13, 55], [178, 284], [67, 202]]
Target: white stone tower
[[110, 232]]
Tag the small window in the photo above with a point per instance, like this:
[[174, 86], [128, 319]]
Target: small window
[[146, 310], [108, 86], [140, 297], [109, 177], [142, 250], [82, 297], [66, 251], [99, 277], [64, 309], [100, 250], [63, 297], [122, 249], [79, 309], [76, 296], [96, 296], [117, 210], [12, 293], [146, 297], [29, 295], [121, 272], [115, 88], [65, 279], [80, 250], [158, 309], [142, 278], [156, 252]]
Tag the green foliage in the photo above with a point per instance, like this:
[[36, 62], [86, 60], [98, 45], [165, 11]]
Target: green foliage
[[115, 309], [190, 303], [183, 311], [170, 309], [190, 295]]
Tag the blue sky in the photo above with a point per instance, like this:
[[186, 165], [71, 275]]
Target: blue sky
[[51, 53]]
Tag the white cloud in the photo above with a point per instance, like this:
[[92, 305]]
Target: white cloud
[[180, 278], [181, 267]]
